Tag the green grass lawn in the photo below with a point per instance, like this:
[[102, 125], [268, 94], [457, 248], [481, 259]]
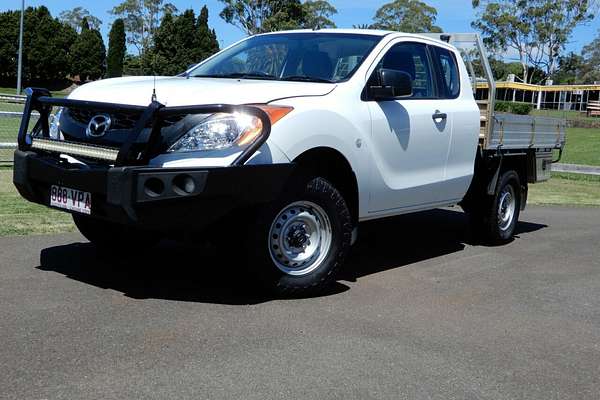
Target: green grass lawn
[[567, 189], [13, 90], [564, 114], [15, 107], [20, 217], [583, 146], [9, 127]]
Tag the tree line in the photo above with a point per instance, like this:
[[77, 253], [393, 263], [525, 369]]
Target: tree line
[[166, 41], [70, 47]]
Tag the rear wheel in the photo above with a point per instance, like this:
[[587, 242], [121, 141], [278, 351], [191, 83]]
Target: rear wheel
[[300, 242], [495, 217], [111, 236]]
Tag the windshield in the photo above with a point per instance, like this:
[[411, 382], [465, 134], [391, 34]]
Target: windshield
[[316, 57]]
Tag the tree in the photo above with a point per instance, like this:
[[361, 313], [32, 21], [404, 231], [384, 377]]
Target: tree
[[46, 42], [74, 17], [537, 30], [502, 69], [569, 70], [181, 41], [258, 16], [116, 49], [141, 18], [412, 16], [286, 15], [318, 14], [9, 42], [165, 47], [88, 54], [207, 38], [591, 61], [132, 65]]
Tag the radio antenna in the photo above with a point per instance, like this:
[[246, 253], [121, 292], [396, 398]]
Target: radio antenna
[[154, 90], [154, 83]]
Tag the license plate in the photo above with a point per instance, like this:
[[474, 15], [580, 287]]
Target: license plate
[[71, 199]]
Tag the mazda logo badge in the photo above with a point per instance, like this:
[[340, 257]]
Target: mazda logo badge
[[98, 126]]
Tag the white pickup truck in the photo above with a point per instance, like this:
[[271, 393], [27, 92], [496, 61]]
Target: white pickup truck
[[281, 144]]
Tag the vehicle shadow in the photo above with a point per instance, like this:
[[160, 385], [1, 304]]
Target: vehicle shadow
[[175, 271], [399, 241]]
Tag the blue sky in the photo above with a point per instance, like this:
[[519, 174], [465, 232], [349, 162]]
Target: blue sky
[[453, 15]]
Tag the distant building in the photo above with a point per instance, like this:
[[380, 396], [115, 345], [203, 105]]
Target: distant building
[[547, 97]]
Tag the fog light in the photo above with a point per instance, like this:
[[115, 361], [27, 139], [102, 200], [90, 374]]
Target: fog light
[[154, 187], [184, 185]]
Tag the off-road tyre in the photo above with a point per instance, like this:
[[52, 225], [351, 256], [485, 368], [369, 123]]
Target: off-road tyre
[[274, 232], [493, 219]]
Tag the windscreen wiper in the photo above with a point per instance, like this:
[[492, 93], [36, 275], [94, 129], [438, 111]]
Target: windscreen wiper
[[304, 78], [238, 75]]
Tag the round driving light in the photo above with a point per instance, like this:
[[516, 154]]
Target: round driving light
[[184, 184], [154, 187]]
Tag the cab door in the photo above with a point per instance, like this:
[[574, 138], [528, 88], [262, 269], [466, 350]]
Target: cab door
[[456, 98], [410, 137]]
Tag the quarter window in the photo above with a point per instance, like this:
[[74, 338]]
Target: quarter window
[[450, 81]]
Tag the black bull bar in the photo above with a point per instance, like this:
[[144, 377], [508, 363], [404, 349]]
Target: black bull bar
[[121, 190], [152, 116]]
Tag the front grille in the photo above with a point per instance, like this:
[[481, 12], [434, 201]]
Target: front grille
[[120, 119]]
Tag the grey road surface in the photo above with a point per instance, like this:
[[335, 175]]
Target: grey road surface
[[423, 312]]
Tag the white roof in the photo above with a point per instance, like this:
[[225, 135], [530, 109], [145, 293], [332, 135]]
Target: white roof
[[376, 32]]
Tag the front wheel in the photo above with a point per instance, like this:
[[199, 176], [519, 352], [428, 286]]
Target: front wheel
[[300, 242]]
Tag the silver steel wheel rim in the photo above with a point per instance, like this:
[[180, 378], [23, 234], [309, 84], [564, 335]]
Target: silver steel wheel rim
[[506, 207], [300, 238]]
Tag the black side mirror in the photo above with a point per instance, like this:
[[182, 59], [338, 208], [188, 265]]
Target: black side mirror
[[390, 84]]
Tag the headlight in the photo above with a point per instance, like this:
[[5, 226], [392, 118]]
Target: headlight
[[220, 131], [54, 125], [224, 130]]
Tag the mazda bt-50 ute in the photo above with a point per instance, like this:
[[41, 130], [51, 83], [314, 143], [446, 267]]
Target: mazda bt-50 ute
[[283, 143]]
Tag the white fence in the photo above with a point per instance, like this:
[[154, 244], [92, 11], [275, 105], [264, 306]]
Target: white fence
[[11, 111], [6, 153]]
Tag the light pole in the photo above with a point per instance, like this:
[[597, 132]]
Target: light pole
[[20, 66]]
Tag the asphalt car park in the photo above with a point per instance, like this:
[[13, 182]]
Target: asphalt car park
[[422, 311]]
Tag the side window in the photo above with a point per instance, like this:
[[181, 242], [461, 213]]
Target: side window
[[412, 59], [450, 82]]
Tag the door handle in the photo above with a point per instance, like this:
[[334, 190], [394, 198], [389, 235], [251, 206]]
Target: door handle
[[439, 115]]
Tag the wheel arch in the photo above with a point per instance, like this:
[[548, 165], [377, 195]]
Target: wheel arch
[[489, 167], [332, 165]]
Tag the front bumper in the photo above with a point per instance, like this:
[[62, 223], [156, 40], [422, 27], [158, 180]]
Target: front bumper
[[124, 188], [165, 199]]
